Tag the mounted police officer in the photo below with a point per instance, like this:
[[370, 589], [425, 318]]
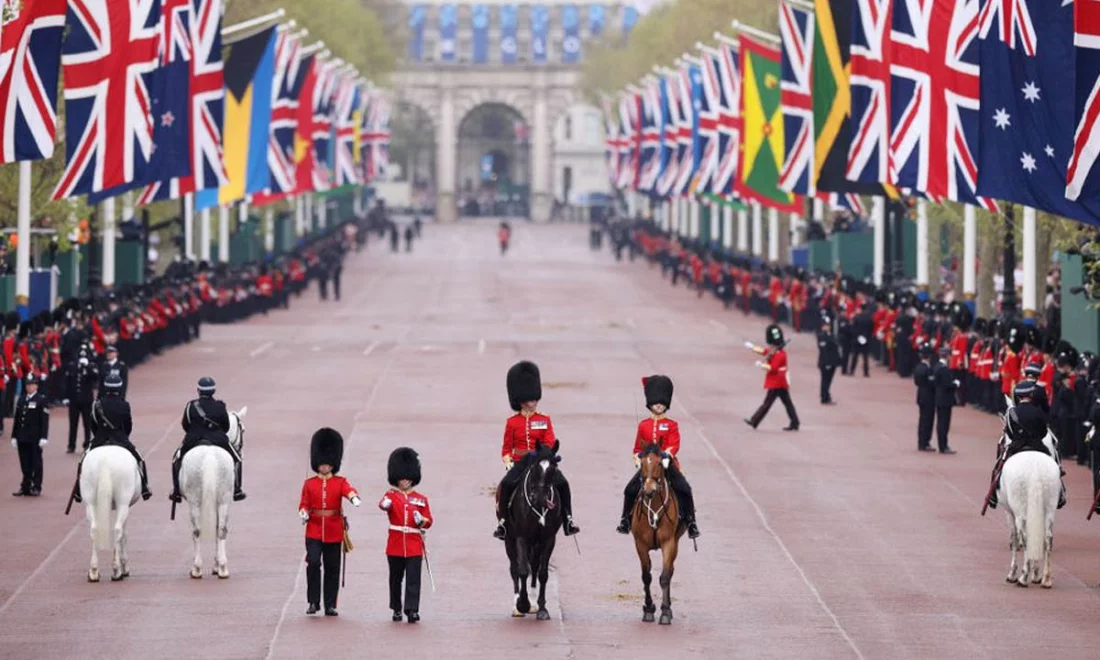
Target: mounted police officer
[[112, 424], [1026, 427], [205, 421], [112, 366]]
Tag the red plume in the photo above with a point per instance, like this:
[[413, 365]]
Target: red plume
[[645, 379]]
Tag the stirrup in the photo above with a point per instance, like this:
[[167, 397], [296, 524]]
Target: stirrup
[[624, 526], [571, 527], [175, 497], [239, 495], [693, 530], [499, 532]]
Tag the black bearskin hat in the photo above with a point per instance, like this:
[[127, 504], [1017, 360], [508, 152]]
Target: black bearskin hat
[[1015, 337], [404, 464], [964, 318], [980, 326], [773, 335], [1067, 354], [326, 447], [1051, 345], [524, 384], [658, 389], [24, 329], [11, 321], [1034, 336]]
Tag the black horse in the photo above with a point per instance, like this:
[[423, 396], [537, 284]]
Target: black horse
[[533, 518]]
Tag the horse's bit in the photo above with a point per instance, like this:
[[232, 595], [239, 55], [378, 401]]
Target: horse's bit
[[654, 517], [527, 496]]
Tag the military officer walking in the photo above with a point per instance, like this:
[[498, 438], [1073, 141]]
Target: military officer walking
[[321, 511], [409, 516], [776, 381], [30, 433]]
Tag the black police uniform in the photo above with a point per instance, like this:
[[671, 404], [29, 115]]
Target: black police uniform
[[863, 330], [205, 421], [828, 357], [924, 378], [945, 401], [116, 368], [32, 424], [112, 424], [82, 381]]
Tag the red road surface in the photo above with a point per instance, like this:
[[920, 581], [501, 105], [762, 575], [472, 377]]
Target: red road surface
[[838, 541]]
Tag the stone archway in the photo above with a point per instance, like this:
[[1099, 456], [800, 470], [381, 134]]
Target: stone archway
[[493, 162], [414, 150]]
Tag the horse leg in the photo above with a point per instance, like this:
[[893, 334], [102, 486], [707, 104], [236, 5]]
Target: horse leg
[[1013, 547], [647, 578], [544, 576], [118, 538], [523, 571], [221, 562], [1021, 544], [668, 556], [93, 568], [1048, 580], [196, 538]]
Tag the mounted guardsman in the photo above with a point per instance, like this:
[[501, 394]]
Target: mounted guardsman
[[321, 511], [410, 516], [524, 432], [112, 424], [665, 433], [205, 420]]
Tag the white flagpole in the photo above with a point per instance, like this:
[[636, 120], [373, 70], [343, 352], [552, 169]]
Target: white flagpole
[[189, 226], [108, 275], [223, 233], [23, 241]]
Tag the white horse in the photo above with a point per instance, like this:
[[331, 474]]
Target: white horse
[[109, 482], [1029, 488], [206, 482]]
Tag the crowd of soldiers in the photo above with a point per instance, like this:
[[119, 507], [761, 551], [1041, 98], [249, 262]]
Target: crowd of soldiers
[[65, 354], [966, 361]]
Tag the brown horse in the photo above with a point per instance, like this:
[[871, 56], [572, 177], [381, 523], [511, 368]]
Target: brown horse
[[656, 525]]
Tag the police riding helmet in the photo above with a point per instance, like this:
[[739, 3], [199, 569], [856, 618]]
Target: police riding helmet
[[113, 383], [206, 385], [926, 350], [112, 349], [1024, 391], [1032, 371]]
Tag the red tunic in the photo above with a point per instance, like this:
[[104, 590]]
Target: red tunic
[[405, 539], [264, 285], [663, 431], [323, 498], [524, 434], [1010, 372], [1046, 380], [958, 351], [14, 369], [776, 378]]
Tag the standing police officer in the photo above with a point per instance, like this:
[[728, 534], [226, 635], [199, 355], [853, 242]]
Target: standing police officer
[[828, 357], [946, 385], [83, 378], [29, 435], [924, 378]]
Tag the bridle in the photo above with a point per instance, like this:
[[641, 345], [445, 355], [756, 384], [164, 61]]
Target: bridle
[[550, 504], [653, 516]]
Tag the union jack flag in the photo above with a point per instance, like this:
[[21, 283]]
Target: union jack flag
[[707, 147], [685, 130], [729, 121], [30, 51], [869, 153], [669, 160], [328, 78], [348, 100], [935, 91], [284, 110], [110, 47], [1083, 175], [631, 131], [839, 201], [796, 27], [207, 105], [649, 158], [376, 137], [611, 141]]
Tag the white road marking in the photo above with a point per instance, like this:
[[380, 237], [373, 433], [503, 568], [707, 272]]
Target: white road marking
[[261, 349], [370, 349], [57, 549], [481, 347]]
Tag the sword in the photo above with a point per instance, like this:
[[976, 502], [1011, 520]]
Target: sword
[[427, 561], [1095, 502], [993, 484]]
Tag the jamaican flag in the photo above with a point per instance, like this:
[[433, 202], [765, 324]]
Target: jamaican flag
[[763, 151], [832, 100]]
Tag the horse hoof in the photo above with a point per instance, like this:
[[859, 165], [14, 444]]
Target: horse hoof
[[223, 574], [1022, 582], [666, 620], [117, 578], [1048, 583], [93, 576], [196, 573], [543, 615], [648, 617], [126, 574], [516, 614]]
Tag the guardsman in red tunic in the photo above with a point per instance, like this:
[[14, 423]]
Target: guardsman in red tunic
[[504, 235], [665, 433], [959, 344], [776, 381], [321, 511], [524, 432], [1010, 364], [409, 515], [798, 299]]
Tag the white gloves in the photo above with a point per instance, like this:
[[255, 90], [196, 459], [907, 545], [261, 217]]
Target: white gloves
[[304, 515], [956, 383], [637, 462], [43, 442], [14, 444], [762, 365], [749, 345], [356, 501], [862, 340], [386, 503], [665, 462], [508, 463], [417, 518]]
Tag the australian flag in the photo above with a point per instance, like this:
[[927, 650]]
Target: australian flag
[[1026, 130]]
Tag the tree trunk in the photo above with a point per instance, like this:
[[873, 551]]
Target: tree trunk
[[990, 247]]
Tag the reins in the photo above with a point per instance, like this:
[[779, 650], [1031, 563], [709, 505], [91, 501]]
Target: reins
[[527, 496]]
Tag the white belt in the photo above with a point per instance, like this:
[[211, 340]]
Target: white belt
[[406, 530]]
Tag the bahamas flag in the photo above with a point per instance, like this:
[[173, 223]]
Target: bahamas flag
[[249, 72], [763, 152]]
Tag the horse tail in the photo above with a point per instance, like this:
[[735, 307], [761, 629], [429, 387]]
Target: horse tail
[[209, 503], [1036, 524], [104, 498]]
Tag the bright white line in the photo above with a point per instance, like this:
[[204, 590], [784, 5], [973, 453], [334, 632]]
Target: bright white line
[[261, 349], [370, 349], [481, 347]]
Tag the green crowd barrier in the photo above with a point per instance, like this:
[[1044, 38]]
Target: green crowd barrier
[[1080, 322]]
